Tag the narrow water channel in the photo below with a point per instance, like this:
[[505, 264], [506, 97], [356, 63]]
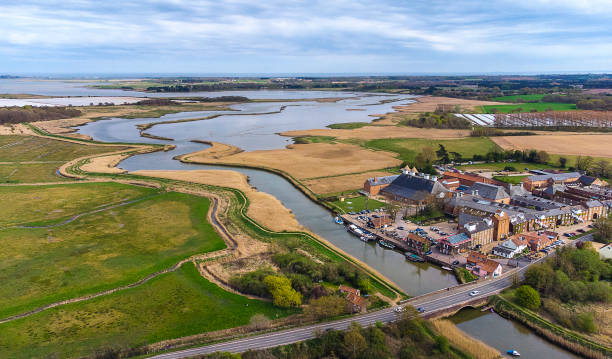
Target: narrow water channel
[[503, 335]]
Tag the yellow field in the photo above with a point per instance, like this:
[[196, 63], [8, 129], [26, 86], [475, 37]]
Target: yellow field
[[306, 161], [596, 145]]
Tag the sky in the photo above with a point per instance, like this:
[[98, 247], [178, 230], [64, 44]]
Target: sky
[[288, 36]]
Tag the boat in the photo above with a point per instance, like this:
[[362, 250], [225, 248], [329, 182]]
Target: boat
[[413, 257], [364, 238], [386, 244], [338, 220], [447, 268], [353, 229], [513, 353]]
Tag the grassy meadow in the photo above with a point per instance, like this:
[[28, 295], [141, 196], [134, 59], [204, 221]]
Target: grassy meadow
[[27, 204], [408, 148], [357, 204], [102, 250], [170, 306], [510, 179], [29, 159]]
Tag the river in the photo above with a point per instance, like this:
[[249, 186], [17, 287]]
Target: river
[[504, 334], [252, 132]]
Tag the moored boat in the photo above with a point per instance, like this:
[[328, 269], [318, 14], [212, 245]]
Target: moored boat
[[447, 268], [513, 353], [386, 244], [413, 257], [338, 220]]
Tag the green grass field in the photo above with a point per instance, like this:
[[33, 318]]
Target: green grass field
[[529, 107], [173, 305], [510, 179], [26, 204], [47, 154], [408, 148], [357, 204], [499, 166], [102, 250], [348, 125]]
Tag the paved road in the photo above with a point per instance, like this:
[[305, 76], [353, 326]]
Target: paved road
[[430, 303]]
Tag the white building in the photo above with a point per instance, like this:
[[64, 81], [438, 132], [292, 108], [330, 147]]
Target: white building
[[511, 247]]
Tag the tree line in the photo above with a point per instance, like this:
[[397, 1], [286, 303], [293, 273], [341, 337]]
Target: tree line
[[11, 115]]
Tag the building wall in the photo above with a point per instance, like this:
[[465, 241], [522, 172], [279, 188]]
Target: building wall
[[483, 237]]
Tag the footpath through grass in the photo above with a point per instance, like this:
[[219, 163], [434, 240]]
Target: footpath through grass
[[408, 148], [170, 306], [100, 251]]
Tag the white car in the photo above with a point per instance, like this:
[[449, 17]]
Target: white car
[[398, 309], [474, 293]]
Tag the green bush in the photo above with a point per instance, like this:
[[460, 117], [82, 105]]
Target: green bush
[[528, 297]]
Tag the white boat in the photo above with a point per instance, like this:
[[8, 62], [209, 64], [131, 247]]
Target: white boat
[[447, 268], [513, 353], [338, 220], [355, 230]]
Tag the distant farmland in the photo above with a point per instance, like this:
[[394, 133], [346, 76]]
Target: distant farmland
[[529, 107]]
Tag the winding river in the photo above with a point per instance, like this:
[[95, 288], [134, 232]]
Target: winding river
[[247, 127]]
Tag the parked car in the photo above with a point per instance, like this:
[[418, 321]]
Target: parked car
[[400, 228], [474, 293], [567, 235], [428, 252], [455, 262], [581, 230]]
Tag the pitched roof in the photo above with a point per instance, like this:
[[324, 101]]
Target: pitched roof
[[347, 289], [555, 176], [356, 300], [489, 265], [377, 181], [489, 191], [414, 187], [475, 257]]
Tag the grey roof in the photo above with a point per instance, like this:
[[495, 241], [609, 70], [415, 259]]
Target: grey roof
[[414, 187], [517, 190], [480, 226], [551, 190], [376, 181], [538, 203], [502, 249], [587, 180], [489, 191], [555, 176], [593, 203]]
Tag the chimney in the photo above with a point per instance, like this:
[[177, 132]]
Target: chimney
[[434, 178], [426, 176], [412, 174], [474, 192], [404, 171]]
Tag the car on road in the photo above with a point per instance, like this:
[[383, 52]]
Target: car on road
[[398, 309], [474, 293], [420, 309]]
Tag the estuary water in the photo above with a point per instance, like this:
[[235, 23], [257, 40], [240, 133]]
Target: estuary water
[[252, 130]]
